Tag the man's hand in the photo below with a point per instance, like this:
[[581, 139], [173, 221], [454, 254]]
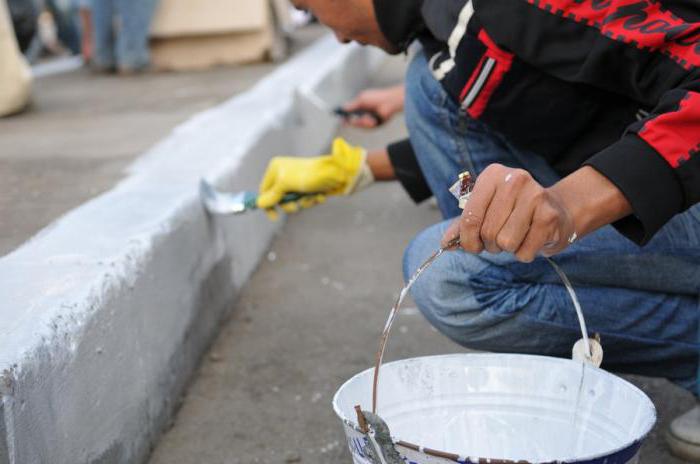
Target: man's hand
[[384, 102], [342, 172], [509, 211]]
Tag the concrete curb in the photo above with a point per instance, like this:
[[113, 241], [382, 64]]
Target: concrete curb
[[105, 313]]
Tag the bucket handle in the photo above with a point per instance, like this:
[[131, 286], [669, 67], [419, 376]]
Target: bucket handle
[[586, 350]]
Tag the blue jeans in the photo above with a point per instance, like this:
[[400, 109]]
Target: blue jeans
[[121, 30], [643, 301], [66, 18]]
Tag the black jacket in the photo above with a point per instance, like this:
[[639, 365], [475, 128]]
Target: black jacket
[[614, 84]]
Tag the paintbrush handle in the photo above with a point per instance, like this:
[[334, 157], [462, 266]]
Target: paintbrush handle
[[251, 201], [345, 114]]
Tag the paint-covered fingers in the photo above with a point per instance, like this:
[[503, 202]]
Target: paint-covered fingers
[[510, 186], [477, 209], [510, 211], [468, 226], [513, 233], [490, 205], [450, 235]]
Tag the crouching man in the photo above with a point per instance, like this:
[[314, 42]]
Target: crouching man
[[582, 120]]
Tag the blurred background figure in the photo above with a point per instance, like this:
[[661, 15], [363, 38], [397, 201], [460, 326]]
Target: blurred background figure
[[64, 15], [24, 19], [121, 29], [52, 28], [15, 76], [86, 34]]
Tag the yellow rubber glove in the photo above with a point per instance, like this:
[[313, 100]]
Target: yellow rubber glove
[[342, 172]]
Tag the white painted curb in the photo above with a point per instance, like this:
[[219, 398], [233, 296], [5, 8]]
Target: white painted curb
[[105, 313]]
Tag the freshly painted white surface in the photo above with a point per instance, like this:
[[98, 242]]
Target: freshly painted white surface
[[502, 406], [104, 314]]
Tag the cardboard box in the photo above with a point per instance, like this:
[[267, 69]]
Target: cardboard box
[[197, 34], [178, 18]]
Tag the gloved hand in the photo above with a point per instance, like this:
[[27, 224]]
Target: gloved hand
[[342, 172]]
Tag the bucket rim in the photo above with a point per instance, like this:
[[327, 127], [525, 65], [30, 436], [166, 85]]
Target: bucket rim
[[454, 457]]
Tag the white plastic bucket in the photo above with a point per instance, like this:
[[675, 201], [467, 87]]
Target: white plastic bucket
[[474, 408]]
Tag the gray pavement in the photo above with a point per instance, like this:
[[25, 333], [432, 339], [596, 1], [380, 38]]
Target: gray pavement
[[309, 319], [83, 130]]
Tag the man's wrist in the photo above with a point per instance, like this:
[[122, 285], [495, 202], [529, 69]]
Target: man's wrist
[[364, 177], [591, 200], [380, 165], [398, 98]]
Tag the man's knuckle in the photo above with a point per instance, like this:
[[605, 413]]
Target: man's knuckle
[[488, 232], [506, 242], [520, 176], [467, 235], [549, 216], [471, 222], [468, 245], [539, 196], [543, 217], [525, 256], [493, 169], [515, 182]]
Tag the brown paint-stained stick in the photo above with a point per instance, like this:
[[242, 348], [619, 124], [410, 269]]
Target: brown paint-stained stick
[[361, 421]]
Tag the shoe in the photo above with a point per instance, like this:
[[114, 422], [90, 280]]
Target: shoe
[[98, 68], [683, 435], [132, 70]]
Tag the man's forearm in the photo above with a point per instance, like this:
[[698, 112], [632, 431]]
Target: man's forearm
[[380, 164], [591, 199]]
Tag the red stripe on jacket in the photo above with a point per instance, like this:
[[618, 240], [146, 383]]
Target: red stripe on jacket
[[642, 23], [472, 79], [503, 63], [676, 135]]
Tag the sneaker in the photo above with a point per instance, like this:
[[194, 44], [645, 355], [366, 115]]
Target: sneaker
[[126, 71], [683, 435]]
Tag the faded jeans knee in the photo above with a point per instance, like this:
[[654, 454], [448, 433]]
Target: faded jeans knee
[[443, 294], [475, 301]]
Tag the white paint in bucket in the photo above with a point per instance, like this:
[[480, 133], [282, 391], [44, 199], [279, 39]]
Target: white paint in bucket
[[501, 406]]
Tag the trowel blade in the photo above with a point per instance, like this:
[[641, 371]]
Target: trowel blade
[[222, 203]]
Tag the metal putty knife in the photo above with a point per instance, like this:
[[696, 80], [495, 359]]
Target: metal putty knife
[[225, 203], [339, 110]]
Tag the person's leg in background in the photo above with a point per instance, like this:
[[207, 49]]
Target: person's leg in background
[[132, 41], [65, 17], [24, 15], [86, 33], [643, 301], [104, 58]]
